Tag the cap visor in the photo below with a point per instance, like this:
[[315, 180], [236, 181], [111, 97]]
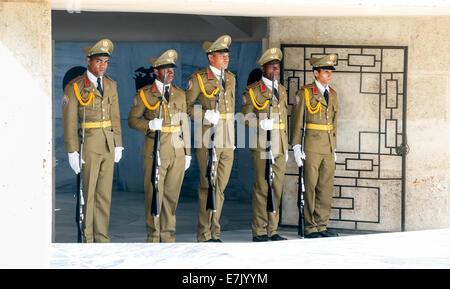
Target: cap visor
[[220, 50], [271, 61], [327, 67], [100, 54], [171, 65]]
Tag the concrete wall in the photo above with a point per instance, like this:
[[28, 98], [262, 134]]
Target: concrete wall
[[428, 102], [26, 131]]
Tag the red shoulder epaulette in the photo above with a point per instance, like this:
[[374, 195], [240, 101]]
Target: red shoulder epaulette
[[145, 87], [200, 71], [256, 83], [75, 79]]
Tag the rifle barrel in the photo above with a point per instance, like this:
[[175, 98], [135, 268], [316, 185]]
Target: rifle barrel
[[212, 157], [154, 210]]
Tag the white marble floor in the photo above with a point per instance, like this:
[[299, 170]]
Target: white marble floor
[[417, 249]]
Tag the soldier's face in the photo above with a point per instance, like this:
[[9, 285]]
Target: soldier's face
[[170, 73], [219, 60], [97, 65], [271, 69], [323, 76]]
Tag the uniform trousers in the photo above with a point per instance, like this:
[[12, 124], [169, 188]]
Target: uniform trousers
[[263, 222], [98, 172], [171, 175], [319, 183], [208, 221]]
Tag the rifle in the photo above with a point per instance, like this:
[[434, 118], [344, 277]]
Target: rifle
[[212, 157], [270, 175], [301, 189], [154, 211], [79, 215]]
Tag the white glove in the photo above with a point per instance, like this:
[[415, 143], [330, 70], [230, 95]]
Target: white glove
[[212, 116], [74, 161], [287, 156], [155, 124], [299, 155], [266, 124], [117, 154], [335, 157], [187, 162]]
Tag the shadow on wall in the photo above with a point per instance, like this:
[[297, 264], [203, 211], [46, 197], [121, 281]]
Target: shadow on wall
[[143, 76], [130, 68]]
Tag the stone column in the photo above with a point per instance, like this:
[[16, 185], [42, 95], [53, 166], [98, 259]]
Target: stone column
[[26, 133]]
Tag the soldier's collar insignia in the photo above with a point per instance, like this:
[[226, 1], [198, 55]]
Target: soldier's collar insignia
[[209, 75], [263, 88], [154, 88], [86, 83], [315, 90]]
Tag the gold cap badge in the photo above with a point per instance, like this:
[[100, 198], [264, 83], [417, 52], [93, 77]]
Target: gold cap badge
[[271, 54], [167, 59], [104, 46], [325, 61], [221, 44]]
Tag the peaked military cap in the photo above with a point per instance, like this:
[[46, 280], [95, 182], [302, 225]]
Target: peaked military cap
[[326, 62], [166, 60], [102, 48], [270, 55], [220, 45]]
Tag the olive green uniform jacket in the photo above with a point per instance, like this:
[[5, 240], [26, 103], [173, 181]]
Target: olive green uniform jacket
[[102, 134], [319, 145], [255, 107], [201, 88], [174, 145]]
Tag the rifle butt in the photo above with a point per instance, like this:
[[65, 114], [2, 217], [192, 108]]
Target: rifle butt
[[211, 200]]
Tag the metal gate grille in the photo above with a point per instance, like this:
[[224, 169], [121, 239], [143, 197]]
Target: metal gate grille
[[369, 191]]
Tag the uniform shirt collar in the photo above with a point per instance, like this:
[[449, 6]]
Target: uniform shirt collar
[[93, 78], [216, 72], [268, 83], [160, 85], [321, 88]]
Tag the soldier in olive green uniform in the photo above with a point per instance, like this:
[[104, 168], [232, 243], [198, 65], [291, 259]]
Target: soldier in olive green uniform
[[320, 103], [174, 144], [94, 94], [202, 88], [255, 107]]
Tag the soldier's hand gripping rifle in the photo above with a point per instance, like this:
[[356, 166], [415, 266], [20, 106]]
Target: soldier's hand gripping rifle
[[154, 210], [212, 157], [270, 161], [301, 188], [79, 215]]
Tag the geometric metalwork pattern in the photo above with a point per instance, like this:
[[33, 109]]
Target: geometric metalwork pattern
[[371, 140]]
